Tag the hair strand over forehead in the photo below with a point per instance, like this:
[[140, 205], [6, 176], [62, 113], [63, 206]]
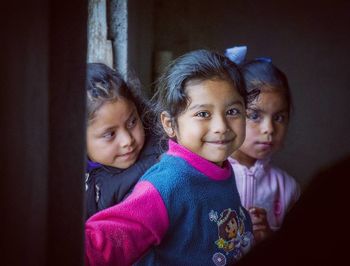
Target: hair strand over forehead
[[260, 74], [104, 85]]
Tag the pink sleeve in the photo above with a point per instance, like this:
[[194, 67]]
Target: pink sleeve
[[289, 191], [120, 235]]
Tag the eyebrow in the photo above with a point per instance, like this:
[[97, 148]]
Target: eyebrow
[[107, 129], [253, 108], [200, 106]]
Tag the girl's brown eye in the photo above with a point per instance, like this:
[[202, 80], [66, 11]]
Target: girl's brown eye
[[233, 112], [203, 114], [253, 116], [280, 118], [109, 135], [132, 122]]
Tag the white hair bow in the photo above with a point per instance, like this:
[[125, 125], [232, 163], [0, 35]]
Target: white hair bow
[[236, 54]]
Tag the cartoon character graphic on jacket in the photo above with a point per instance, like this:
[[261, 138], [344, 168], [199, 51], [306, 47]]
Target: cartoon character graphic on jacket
[[231, 232]]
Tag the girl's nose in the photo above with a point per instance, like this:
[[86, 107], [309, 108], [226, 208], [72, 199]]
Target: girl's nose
[[220, 125], [125, 138], [267, 126]]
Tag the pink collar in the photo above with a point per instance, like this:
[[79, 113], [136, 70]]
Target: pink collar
[[204, 166], [258, 170]]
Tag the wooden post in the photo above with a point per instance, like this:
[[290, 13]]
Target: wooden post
[[99, 47]]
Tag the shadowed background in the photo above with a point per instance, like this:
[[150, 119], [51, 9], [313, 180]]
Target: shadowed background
[[42, 73]]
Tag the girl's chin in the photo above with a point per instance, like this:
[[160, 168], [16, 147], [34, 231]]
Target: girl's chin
[[263, 156]]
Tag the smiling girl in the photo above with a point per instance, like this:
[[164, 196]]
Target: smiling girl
[[186, 209], [120, 146]]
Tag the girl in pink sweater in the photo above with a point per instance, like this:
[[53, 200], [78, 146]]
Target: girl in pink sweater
[[265, 190]]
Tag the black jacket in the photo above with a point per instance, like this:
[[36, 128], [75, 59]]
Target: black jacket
[[107, 186]]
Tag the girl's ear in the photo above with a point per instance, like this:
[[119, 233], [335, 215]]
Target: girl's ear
[[167, 124]]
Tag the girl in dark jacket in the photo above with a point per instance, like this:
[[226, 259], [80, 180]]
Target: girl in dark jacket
[[120, 144]]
